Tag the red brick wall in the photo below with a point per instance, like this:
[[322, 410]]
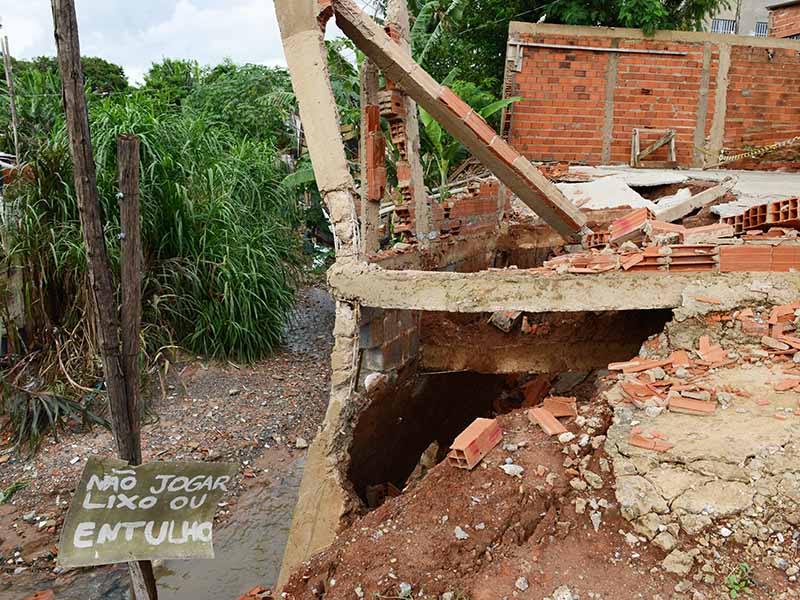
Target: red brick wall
[[785, 22], [467, 212], [763, 102], [564, 111]]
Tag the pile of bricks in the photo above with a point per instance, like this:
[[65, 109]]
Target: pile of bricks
[[473, 211], [546, 415], [764, 238], [674, 258], [675, 383], [469, 212]]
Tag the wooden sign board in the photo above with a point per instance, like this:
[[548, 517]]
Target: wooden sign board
[[160, 510]]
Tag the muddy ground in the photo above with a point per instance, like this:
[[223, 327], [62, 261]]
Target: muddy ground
[[260, 416]]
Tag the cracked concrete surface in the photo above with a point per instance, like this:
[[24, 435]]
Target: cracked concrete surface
[[738, 467]]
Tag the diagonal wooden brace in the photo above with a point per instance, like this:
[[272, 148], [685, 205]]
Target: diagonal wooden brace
[[463, 123]]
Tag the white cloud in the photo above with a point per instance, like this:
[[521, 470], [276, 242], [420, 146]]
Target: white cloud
[[207, 31], [28, 26], [136, 34]]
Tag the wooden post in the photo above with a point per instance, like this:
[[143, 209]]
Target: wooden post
[[142, 574], [10, 84], [105, 309], [131, 281]]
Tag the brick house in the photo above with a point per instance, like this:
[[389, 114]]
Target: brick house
[[784, 20]]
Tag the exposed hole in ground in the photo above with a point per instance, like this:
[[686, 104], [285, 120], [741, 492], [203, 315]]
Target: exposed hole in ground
[[537, 343], [483, 371], [398, 426]]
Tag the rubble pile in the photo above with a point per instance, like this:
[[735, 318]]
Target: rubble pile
[[639, 241], [693, 488]]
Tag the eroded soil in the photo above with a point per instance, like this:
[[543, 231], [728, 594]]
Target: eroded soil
[[590, 515]]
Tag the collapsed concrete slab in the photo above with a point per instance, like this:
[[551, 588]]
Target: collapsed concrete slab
[[497, 290], [606, 192], [458, 118]]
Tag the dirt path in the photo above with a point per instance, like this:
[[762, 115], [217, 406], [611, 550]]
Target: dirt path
[[260, 416]]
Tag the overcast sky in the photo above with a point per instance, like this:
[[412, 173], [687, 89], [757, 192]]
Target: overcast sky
[[136, 33]]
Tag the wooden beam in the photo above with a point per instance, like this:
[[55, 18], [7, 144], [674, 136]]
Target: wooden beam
[[664, 139], [131, 281]]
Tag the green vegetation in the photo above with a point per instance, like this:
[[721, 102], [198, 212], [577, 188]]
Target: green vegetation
[[102, 76], [740, 580], [219, 232], [222, 238], [6, 494], [441, 152]]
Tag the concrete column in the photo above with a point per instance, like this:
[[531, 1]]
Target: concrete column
[[702, 107], [397, 15], [370, 211], [307, 60], [608, 111], [324, 502], [717, 136]]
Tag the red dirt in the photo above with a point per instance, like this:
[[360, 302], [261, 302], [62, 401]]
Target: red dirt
[[531, 530]]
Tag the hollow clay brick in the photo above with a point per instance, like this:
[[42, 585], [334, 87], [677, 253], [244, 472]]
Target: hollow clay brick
[[474, 443]]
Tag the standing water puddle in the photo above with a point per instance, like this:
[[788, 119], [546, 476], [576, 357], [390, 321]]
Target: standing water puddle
[[248, 548]]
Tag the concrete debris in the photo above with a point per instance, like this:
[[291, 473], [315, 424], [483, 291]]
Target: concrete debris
[[678, 562], [563, 593], [603, 193], [513, 470], [678, 207]]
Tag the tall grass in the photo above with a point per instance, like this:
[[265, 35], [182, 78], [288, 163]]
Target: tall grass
[[220, 238]]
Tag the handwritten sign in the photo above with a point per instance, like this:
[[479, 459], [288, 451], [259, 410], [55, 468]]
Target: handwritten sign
[[159, 510]]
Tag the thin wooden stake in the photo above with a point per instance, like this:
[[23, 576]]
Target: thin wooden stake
[[125, 432], [131, 276]]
